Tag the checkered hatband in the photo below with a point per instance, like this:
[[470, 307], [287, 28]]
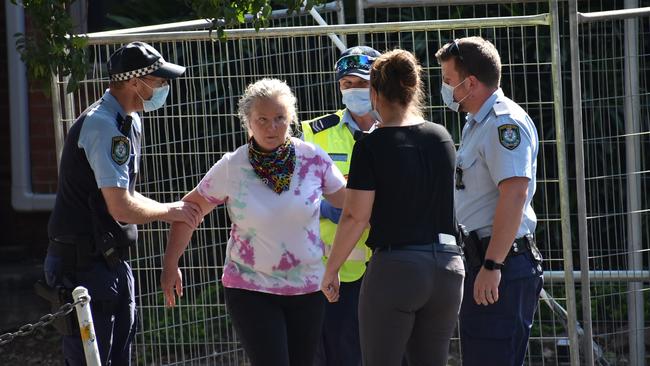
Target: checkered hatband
[[139, 72]]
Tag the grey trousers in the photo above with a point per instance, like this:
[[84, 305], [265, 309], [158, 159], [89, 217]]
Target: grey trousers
[[409, 305]]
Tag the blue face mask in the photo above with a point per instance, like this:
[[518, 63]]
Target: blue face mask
[[357, 100], [447, 92], [157, 99]]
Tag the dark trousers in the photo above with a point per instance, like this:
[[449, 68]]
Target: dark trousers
[[276, 330], [497, 334], [339, 343], [112, 306], [409, 305]]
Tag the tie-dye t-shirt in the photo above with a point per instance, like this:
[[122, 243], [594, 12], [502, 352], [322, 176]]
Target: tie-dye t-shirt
[[274, 243]]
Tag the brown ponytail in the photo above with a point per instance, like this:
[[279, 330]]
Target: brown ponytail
[[396, 75]]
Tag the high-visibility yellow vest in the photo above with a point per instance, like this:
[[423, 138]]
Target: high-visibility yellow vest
[[336, 139]]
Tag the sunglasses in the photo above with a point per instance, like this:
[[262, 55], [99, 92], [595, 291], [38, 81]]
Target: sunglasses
[[353, 62], [454, 49]]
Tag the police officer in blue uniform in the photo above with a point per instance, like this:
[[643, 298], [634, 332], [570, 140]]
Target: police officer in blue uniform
[[93, 222], [495, 183]]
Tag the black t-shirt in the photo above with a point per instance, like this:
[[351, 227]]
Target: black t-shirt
[[411, 170]]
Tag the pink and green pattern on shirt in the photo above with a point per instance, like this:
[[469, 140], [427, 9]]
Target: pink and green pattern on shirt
[[274, 243]]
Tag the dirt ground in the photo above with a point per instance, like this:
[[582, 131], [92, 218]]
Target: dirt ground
[[43, 347]]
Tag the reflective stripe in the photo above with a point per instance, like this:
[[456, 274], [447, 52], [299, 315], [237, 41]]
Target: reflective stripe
[[357, 254]]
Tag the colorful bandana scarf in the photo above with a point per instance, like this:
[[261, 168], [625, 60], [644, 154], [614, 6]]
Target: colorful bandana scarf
[[274, 168]]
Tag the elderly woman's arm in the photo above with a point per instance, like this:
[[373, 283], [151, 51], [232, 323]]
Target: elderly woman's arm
[[355, 217], [179, 238], [337, 198]]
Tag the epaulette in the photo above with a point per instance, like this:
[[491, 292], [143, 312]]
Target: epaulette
[[324, 123], [500, 108]]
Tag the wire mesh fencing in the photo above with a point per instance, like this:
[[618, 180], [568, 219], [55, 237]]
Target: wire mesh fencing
[[614, 72], [199, 124]]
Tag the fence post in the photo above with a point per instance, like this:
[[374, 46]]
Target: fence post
[[633, 163], [585, 284], [86, 327], [563, 178]]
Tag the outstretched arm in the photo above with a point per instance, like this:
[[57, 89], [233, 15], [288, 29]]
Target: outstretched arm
[[137, 209], [179, 238], [355, 217]]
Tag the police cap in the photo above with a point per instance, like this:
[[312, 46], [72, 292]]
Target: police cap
[[356, 61], [138, 59]]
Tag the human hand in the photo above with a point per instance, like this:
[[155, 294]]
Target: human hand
[[171, 279], [486, 286], [186, 212], [330, 286]]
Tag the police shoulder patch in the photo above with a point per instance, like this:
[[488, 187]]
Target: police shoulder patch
[[509, 136], [324, 122], [120, 149]]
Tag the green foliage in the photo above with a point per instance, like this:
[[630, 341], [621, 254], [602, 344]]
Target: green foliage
[[234, 12], [51, 47], [48, 48]]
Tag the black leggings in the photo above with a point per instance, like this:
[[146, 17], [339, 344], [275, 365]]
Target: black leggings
[[275, 329]]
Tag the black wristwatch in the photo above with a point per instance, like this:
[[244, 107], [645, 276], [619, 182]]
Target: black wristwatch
[[491, 265]]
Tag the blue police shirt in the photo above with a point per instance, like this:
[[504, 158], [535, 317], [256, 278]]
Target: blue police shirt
[[96, 154], [497, 143]]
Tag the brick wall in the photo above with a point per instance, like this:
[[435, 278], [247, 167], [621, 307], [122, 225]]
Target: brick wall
[[24, 234], [41, 139]]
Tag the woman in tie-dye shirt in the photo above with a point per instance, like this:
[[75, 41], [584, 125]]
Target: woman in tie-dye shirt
[[272, 188]]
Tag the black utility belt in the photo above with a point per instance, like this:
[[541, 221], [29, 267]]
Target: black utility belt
[[80, 253], [519, 246], [431, 247], [476, 248]]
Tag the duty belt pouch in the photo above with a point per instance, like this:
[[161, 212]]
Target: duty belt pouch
[[534, 251], [111, 238], [474, 250], [58, 296]]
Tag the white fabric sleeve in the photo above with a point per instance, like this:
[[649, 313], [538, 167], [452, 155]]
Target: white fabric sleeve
[[213, 185]]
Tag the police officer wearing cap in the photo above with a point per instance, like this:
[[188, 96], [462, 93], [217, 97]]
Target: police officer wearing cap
[[336, 133], [93, 222], [495, 183]]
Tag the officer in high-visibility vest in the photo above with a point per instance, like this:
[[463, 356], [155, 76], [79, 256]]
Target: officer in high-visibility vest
[[336, 133]]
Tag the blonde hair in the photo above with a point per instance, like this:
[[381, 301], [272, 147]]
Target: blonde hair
[[265, 89]]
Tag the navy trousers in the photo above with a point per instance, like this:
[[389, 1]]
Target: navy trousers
[[339, 343], [112, 304], [497, 334]]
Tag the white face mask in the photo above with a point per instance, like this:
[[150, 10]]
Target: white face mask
[[447, 93], [375, 113], [158, 97], [357, 100]]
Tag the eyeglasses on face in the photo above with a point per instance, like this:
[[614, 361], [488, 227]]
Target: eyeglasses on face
[[154, 83]]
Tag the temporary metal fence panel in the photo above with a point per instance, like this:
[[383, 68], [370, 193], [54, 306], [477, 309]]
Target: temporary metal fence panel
[[199, 124], [613, 150], [527, 58]]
